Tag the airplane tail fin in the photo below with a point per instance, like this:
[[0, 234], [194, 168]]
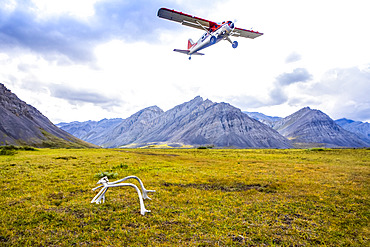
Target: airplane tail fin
[[187, 52], [190, 43]]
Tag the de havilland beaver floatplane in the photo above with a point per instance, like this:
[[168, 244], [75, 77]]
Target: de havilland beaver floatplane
[[215, 32]]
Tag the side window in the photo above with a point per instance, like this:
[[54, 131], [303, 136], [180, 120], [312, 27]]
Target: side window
[[204, 36]]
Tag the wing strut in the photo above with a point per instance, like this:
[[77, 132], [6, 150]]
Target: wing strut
[[204, 28]]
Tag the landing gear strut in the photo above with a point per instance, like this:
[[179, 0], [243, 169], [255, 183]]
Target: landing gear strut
[[234, 44]]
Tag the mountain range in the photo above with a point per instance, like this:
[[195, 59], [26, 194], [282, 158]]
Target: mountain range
[[203, 122], [22, 124], [197, 123]]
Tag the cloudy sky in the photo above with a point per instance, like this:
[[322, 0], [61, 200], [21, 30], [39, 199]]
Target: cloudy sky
[[94, 59]]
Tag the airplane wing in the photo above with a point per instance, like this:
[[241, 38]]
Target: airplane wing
[[185, 19], [239, 32], [199, 23]]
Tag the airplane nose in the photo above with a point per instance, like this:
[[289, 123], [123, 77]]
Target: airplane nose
[[231, 25]]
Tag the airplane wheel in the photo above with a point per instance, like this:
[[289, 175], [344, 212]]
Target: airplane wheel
[[189, 58], [235, 44], [213, 40]]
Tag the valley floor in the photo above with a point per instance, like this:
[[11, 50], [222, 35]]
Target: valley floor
[[203, 197]]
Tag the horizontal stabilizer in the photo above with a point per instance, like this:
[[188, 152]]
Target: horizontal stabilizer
[[182, 51], [187, 52]]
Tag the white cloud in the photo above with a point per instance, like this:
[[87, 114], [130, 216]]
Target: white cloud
[[293, 57], [97, 51], [81, 9], [344, 90]]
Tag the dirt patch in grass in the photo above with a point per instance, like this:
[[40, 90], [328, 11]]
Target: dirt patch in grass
[[236, 187], [66, 158], [56, 196], [147, 153]]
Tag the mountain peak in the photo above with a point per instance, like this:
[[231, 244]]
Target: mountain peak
[[150, 110], [3, 88], [317, 128], [344, 121], [304, 110], [154, 108], [198, 98]]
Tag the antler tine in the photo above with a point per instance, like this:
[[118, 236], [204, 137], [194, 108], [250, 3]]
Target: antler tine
[[145, 191], [100, 197]]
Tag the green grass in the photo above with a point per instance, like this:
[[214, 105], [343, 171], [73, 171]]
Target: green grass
[[204, 197]]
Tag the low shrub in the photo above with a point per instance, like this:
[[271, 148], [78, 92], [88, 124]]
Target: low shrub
[[11, 149], [7, 152], [106, 174], [317, 149]]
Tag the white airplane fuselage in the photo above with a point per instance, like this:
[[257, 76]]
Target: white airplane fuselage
[[211, 38], [215, 32]]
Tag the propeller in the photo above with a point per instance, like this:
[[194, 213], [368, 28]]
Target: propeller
[[232, 24]]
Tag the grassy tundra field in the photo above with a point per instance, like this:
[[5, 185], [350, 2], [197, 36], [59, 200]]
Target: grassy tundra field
[[207, 197]]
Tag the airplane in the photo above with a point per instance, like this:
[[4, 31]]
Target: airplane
[[215, 32]]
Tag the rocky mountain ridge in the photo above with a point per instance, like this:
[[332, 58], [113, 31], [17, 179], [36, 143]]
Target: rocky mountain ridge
[[90, 130], [268, 120], [131, 129], [22, 124], [313, 127], [203, 122], [197, 122], [359, 128]]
